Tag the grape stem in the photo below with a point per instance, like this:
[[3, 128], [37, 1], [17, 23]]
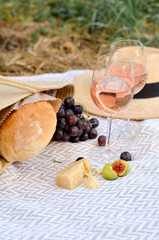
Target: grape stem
[[56, 161]]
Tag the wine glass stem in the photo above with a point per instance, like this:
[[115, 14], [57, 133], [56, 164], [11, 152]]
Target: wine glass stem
[[127, 115], [109, 124]]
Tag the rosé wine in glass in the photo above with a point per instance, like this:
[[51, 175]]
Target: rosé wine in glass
[[111, 94]]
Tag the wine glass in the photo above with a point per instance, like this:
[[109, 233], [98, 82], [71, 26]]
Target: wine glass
[[134, 50], [111, 92]]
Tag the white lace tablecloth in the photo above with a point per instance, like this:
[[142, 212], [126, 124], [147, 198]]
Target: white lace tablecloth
[[32, 207]]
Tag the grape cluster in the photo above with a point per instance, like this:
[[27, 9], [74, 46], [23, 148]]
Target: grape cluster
[[71, 125]]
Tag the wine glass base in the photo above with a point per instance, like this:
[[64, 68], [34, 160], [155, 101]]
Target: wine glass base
[[131, 129], [121, 131], [104, 155]]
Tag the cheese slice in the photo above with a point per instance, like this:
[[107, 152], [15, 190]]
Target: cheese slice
[[72, 176], [91, 182]]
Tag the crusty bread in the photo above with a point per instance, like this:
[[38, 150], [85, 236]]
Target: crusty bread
[[27, 131]]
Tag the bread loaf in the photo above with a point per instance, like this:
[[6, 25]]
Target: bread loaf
[[27, 131]]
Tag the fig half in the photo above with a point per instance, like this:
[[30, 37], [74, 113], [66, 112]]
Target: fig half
[[121, 167], [118, 168], [108, 172]]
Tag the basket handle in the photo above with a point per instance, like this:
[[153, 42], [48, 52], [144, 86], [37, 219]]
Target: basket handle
[[19, 84]]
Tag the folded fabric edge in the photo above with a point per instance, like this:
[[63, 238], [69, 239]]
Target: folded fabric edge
[[5, 164]]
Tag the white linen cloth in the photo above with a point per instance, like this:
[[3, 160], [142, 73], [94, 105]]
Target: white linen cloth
[[32, 207]]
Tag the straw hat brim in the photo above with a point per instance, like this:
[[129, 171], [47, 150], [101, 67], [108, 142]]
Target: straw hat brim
[[139, 108]]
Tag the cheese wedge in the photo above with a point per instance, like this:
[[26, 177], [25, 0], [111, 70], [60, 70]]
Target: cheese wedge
[[72, 176]]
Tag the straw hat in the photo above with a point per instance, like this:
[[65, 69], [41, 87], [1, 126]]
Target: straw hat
[[144, 105]]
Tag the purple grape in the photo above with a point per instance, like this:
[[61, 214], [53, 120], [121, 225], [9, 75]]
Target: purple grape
[[82, 124], [93, 133], [65, 137], [69, 102], [78, 109], [73, 131], [84, 137], [87, 129], [80, 132], [94, 122], [79, 158], [102, 140], [74, 139], [62, 105], [58, 134], [72, 120], [61, 113], [61, 122], [125, 156], [69, 112]]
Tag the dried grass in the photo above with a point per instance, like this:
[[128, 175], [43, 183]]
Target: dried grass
[[49, 54]]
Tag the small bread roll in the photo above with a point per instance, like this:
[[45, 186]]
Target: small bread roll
[[27, 131]]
